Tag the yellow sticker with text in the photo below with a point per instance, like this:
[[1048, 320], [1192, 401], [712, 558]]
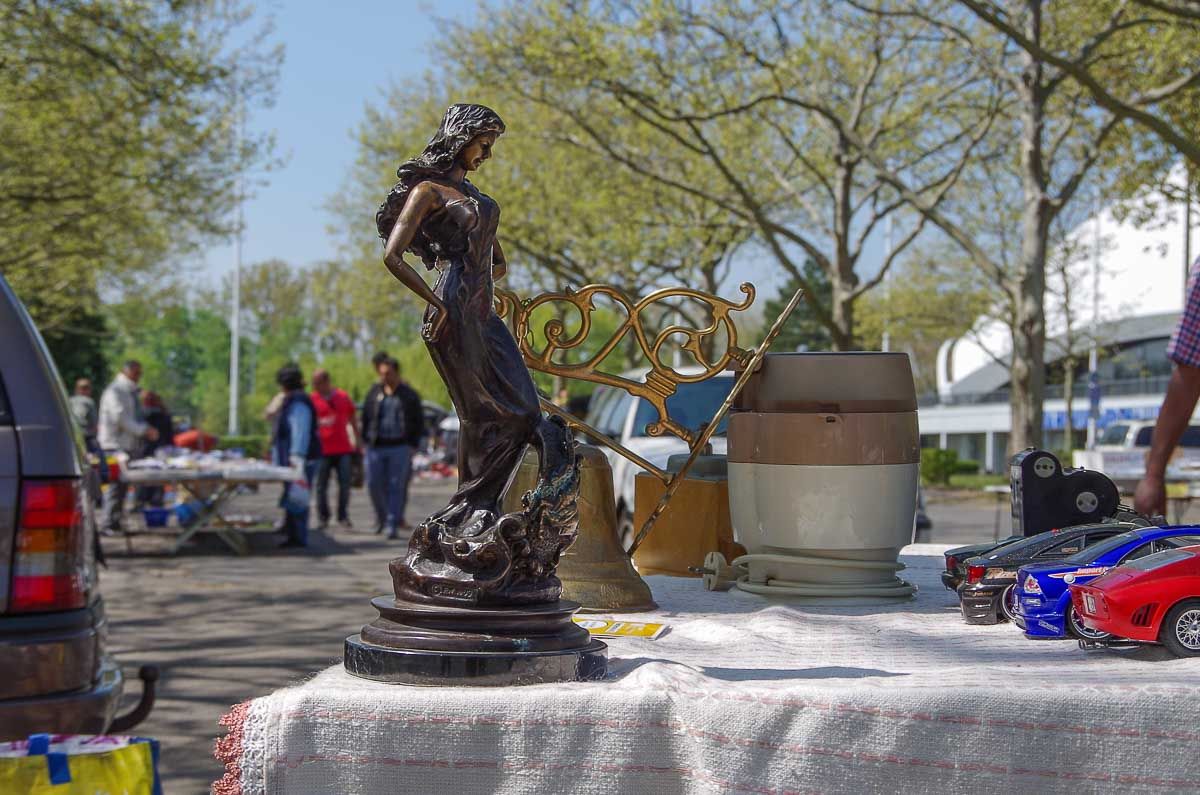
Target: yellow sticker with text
[[605, 628]]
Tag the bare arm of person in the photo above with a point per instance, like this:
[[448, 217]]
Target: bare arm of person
[[421, 201], [1182, 393], [499, 263]]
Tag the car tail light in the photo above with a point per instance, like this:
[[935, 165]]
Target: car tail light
[[951, 563], [975, 573], [1031, 584], [1141, 616], [51, 552]]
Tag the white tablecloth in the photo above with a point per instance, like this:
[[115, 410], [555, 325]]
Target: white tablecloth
[[749, 695]]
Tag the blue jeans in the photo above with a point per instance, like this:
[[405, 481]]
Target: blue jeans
[[295, 518], [388, 469]]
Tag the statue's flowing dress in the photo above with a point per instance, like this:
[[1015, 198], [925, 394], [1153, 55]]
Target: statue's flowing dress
[[478, 358], [468, 552]]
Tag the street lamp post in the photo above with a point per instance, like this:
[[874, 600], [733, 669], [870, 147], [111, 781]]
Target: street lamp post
[[886, 342], [235, 321], [1094, 352]]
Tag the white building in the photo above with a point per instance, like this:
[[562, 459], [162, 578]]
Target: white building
[[1140, 297]]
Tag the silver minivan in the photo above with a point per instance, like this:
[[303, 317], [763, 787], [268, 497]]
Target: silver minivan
[[57, 674]]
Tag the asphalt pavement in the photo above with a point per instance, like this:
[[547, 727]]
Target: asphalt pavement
[[224, 629]]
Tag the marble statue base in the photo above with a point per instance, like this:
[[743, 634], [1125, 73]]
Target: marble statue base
[[416, 643]]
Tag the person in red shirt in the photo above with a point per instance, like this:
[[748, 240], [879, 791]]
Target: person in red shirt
[[337, 425]]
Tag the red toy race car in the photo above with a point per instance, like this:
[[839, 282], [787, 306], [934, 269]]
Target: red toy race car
[[1155, 599]]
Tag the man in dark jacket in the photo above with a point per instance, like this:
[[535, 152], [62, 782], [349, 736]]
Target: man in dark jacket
[[155, 413], [295, 444], [392, 426]]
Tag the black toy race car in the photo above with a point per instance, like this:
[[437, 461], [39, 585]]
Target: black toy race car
[[988, 593], [956, 559]]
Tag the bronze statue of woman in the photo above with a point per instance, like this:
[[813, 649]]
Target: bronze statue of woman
[[468, 553]]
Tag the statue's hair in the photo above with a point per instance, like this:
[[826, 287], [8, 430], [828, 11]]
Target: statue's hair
[[461, 124]]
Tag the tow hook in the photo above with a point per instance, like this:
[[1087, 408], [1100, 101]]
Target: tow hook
[[123, 723]]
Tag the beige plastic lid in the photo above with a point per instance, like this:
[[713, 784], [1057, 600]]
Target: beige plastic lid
[[831, 383]]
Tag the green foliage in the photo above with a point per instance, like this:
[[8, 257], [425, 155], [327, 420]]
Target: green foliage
[[966, 467], [930, 299], [78, 347], [739, 109], [117, 122], [937, 466], [184, 353], [567, 218], [803, 332], [977, 481]]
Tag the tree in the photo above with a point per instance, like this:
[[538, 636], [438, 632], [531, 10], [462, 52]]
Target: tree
[[1137, 60], [119, 150], [567, 218], [78, 344], [184, 351], [929, 299], [802, 331], [1050, 139], [745, 108]]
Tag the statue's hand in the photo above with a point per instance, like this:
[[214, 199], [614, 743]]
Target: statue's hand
[[432, 329]]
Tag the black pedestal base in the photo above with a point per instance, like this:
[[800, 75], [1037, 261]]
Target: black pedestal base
[[473, 669], [419, 643]]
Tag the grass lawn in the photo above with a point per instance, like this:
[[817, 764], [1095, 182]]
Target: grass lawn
[[978, 481]]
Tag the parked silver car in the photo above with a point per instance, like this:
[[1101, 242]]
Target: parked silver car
[[57, 674]]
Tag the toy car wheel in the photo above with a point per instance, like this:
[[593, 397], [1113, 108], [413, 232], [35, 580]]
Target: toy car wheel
[[1180, 631], [1077, 628], [1008, 603]]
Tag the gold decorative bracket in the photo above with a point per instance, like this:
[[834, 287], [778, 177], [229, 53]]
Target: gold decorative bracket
[[661, 380]]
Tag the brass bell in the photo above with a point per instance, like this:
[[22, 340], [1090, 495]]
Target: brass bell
[[595, 571]]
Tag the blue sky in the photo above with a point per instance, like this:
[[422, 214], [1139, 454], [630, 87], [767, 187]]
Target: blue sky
[[339, 57]]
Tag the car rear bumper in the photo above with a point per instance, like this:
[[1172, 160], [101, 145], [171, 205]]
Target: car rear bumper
[[980, 605], [56, 675], [86, 711], [1039, 620], [951, 580]]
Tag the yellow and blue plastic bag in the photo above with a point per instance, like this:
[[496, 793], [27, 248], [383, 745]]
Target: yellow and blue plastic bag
[[80, 764]]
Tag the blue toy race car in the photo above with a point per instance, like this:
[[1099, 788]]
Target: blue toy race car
[[1043, 596]]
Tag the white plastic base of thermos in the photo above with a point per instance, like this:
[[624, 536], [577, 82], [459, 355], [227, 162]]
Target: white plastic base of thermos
[[806, 576], [821, 531], [757, 582]]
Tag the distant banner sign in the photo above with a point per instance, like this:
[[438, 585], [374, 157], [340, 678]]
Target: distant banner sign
[[1057, 420]]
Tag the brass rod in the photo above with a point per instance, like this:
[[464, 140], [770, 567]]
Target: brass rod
[[603, 438], [699, 445]]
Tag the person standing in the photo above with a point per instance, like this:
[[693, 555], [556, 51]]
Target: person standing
[[296, 444], [1183, 390], [155, 413], [391, 429], [121, 429], [337, 421], [83, 409]]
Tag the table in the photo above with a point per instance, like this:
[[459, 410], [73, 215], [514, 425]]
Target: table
[[213, 490], [745, 694]]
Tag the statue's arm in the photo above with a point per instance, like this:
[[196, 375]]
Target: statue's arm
[[420, 202], [499, 263]]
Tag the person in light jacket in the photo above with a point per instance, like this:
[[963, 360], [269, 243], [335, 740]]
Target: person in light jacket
[[121, 430]]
